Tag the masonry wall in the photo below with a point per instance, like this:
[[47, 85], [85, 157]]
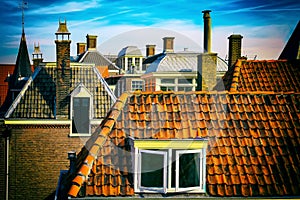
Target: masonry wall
[[37, 154], [2, 162]]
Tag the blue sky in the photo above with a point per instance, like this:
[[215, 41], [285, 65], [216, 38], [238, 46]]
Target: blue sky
[[265, 25]]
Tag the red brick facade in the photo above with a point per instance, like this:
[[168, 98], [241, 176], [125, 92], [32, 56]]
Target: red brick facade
[[37, 154]]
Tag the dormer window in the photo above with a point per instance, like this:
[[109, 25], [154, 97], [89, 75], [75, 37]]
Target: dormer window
[[81, 111], [169, 166]]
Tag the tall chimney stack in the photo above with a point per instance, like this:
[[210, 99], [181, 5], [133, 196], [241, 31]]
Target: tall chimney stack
[[207, 61], [235, 48], [63, 72], [150, 50], [168, 44], [207, 31]]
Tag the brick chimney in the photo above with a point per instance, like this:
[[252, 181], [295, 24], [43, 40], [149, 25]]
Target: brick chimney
[[91, 41], [37, 56], [81, 48], [168, 44], [207, 61], [235, 48], [63, 72], [150, 50]]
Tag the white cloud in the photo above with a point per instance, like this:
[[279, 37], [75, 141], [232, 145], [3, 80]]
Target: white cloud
[[72, 6]]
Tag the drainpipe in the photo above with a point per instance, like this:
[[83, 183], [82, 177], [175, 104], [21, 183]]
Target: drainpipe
[[7, 135]]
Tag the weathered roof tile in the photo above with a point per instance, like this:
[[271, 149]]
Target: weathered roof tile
[[256, 156]]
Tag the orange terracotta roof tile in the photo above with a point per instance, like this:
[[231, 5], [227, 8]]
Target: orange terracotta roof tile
[[253, 148], [263, 75]]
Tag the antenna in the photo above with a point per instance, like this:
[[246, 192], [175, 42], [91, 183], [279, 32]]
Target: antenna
[[23, 5]]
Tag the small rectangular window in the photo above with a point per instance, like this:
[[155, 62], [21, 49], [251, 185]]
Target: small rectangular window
[[81, 115], [137, 85]]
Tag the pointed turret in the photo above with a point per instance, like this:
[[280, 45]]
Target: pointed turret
[[23, 68]]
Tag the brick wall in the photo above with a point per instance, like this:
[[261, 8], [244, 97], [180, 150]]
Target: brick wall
[[37, 154], [207, 71]]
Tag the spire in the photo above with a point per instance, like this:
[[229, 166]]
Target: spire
[[22, 68], [22, 6]]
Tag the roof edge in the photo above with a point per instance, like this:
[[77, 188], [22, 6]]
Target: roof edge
[[21, 94], [99, 138]]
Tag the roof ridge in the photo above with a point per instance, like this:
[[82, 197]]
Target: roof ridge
[[107, 88], [99, 137]]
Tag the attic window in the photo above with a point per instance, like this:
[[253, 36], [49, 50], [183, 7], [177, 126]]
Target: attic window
[[170, 166], [81, 111]]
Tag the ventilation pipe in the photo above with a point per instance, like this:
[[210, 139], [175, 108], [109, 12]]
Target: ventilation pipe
[[207, 31]]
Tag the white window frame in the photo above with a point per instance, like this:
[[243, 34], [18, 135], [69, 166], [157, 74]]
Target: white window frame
[[139, 172], [178, 152], [166, 151]]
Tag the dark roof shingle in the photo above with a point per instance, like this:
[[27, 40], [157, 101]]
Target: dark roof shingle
[[37, 98]]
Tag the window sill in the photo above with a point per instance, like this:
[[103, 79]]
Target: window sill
[[171, 191], [80, 135]]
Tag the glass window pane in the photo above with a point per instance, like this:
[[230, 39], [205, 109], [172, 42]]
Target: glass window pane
[[81, 119], [189, 170], [152, 169], [168, 81], [185, 81]]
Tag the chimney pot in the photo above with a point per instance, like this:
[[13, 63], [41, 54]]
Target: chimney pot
[[72, 158], [81, 48], [150, 50], [91, 42]]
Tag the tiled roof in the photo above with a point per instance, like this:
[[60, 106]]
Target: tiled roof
[[263, 75], [37, 98], [253, 141], [180, 61], [95, 57]]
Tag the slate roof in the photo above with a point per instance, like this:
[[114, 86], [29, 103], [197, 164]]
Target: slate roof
[[130, 51], [262, 75], [95, 57], [37, 98], [23, 67], [178, 61], [253, 141]]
